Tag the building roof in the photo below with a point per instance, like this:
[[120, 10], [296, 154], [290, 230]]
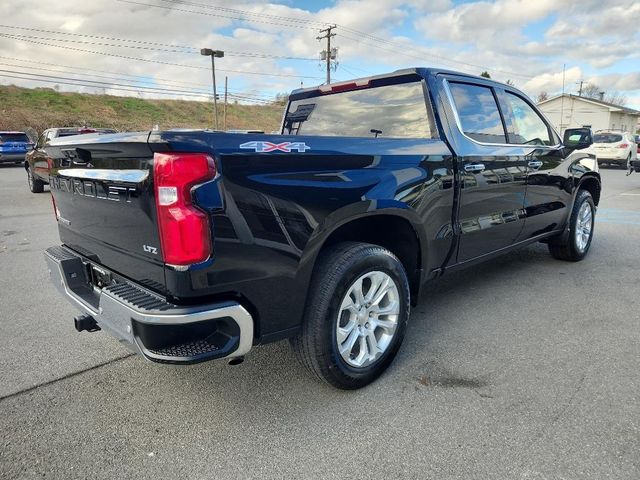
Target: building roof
[[611, 106]]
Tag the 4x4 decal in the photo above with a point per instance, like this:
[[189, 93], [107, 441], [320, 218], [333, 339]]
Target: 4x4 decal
[[287, 147]]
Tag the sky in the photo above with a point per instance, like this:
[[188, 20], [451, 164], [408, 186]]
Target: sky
[[150, 48]]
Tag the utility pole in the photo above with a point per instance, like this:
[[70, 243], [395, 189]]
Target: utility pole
[[580, 90], [328, 54], [207, 52], [226, 81]]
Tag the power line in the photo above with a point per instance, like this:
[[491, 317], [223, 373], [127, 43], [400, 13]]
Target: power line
[[101, 84], [369, 36], [52, 79], [145, 78], [96, 52], [86, 35], [175, 49], [247, 13], [219, 15]]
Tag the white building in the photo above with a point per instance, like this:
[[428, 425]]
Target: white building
[[570, 111]]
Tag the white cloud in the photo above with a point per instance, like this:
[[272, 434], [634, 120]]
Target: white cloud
[[553, 82], [473, 36]]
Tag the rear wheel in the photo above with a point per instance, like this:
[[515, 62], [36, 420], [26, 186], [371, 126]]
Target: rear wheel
[[356, 315], [35, 185], [574, 244]]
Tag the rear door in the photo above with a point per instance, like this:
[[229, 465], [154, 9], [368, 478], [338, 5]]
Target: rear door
[[492, 172]]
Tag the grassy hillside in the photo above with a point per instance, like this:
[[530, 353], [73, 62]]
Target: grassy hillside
[[28, 109]]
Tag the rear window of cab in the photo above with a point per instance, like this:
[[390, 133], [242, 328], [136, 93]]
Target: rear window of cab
[[388, 111]]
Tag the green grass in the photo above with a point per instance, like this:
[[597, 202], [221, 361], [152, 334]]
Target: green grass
[[35, 110]]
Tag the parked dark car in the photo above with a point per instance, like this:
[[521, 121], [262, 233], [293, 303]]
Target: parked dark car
[[194, 245], [14, 146], [37, 162]]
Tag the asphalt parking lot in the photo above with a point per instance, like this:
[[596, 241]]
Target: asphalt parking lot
[[522, 368]]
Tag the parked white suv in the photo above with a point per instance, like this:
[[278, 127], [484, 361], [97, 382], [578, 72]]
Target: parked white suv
[[618, 148]]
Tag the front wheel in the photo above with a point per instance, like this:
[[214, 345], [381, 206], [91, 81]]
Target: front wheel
[[356, 315], [574, 244]]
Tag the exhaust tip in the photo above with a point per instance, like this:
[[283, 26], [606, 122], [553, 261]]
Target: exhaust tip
[[236, 361]]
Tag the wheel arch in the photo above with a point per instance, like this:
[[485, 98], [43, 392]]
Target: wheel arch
[[393, 229], [593, 185]]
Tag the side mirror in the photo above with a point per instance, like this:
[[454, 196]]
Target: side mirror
[[577, 138]]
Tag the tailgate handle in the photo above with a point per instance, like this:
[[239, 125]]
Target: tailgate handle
[[79, 156]]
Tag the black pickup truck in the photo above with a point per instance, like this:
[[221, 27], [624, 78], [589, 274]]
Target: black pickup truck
[[197, 245]]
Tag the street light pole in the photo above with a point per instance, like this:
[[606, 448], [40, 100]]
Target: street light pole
[[215, 96], [213, 54]]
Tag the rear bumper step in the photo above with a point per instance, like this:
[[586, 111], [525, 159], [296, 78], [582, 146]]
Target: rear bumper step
[[147, 323]]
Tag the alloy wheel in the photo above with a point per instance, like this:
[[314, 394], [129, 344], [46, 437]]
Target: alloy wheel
[[368, 319], [584, 225]]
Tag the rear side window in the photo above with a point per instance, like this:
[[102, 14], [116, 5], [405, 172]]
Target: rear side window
[[390, 111], [14, 137], [478, 112], [528, 127]]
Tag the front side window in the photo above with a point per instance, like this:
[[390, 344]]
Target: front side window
[[528, 127], [478, 112], [390, 111]]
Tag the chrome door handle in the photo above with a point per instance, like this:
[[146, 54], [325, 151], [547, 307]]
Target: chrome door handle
[[535, 163], [474, 167]]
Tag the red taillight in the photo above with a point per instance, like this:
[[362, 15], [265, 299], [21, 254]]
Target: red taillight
[[185, 233], [623, 145]]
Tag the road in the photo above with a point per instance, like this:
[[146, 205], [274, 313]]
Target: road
[[522, 368]]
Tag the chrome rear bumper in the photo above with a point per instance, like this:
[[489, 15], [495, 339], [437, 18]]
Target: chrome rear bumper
[[145, 322]]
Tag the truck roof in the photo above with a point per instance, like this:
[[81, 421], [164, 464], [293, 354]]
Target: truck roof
[[421, 71]]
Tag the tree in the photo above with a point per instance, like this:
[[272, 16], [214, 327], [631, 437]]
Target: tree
[[591, 90], [281, 98], [485, 74], [616, 98], [542, 96]]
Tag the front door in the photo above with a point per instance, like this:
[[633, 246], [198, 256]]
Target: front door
[[549, 190]]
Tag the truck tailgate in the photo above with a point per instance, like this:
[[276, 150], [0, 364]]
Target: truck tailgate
[[102, 188]]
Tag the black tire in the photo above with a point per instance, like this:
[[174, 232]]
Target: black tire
[[337, 269], [566, 246], [35, 185]]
